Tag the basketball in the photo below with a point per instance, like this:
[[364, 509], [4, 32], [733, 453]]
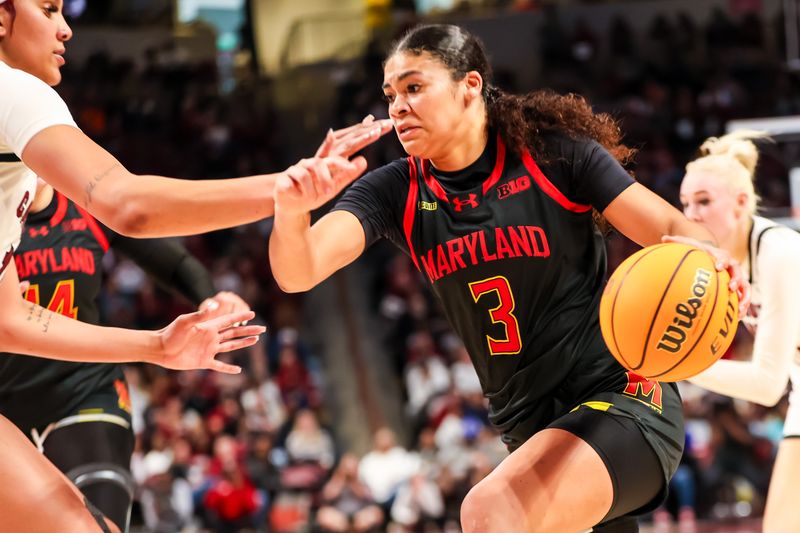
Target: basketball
[[667, 314]]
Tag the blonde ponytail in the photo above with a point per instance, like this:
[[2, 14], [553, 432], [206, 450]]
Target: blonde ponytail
[[732, 158]]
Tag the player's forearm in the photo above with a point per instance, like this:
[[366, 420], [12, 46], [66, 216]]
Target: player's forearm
[[291, 253], [33, 330], [684, 227], [157, 207]]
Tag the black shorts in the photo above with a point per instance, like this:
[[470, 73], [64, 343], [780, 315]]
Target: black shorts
[[110, 404], [639, 435]]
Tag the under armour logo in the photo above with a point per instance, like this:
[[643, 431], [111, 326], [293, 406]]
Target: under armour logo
[[471, 201], [41, 232]]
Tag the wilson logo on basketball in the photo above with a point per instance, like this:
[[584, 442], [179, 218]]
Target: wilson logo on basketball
[[685, 312], [523, 183], [725, 330]]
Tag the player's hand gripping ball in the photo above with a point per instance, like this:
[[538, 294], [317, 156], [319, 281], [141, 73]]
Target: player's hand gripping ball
[[667, 313]]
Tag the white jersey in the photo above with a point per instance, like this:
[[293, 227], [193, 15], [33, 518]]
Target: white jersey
[[27, 106], [773, 266]]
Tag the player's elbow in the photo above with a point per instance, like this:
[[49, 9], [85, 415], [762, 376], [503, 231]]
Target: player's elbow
[[131, 219], [292, 285], [771, 395]]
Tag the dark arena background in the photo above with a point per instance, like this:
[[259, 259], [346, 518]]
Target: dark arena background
[[362, 377]]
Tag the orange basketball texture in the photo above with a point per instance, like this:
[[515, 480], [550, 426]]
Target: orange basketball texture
[[667, 314]]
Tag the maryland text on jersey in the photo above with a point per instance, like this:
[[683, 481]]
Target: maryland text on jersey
[[476, 247]]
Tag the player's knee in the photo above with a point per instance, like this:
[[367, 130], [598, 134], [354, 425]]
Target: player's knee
[[489, 507]]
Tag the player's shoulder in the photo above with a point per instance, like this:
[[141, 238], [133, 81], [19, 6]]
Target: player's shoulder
[[776, 242], [559, 144], [18, 81], [396, 171]]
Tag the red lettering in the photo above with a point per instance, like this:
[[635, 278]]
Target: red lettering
[[503, 248], [455, 247], [641, 388], [49, 256], [520, 241], [30, 264], [471, 241], [22, 208], [430, 266], [486, 255], [539, 240], [441, 261], [18, 262], [66, 260]]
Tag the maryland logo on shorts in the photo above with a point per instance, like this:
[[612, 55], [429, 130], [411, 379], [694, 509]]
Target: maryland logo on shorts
[[123, 398], [646, 391]]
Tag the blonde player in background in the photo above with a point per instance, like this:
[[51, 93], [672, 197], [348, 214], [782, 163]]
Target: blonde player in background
[[38, 136], [718, 193]]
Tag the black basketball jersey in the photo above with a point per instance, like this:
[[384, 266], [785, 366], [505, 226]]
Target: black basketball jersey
[[60, 254], [511, 251]]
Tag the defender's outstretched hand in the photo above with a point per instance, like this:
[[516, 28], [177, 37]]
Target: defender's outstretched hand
[[348, 141], [312, 182], [191, 341]]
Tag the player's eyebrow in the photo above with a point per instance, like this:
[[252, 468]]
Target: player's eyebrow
[[401, 77]]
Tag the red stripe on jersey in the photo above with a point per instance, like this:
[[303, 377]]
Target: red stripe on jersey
[[432, 182], [547, 186], [411, 208], [94, 227], [61, 210], [499, 162]]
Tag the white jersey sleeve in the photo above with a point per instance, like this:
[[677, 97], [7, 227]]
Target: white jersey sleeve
[[28, 105], [775, 349]]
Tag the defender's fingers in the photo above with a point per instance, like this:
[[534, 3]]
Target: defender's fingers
[[225, 368]]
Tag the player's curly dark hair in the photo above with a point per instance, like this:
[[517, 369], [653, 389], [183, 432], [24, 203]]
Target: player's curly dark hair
[[519, 119]]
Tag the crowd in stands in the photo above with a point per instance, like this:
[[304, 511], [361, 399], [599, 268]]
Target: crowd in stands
[[259, 451]]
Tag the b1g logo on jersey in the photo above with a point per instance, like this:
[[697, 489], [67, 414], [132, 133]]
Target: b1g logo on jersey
[[470, 201], [523, 183]]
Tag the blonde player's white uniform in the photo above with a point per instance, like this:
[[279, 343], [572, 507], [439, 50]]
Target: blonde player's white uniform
[[27, 106], [773, 264]]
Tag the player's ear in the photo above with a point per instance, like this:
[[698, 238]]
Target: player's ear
[[473, 83]]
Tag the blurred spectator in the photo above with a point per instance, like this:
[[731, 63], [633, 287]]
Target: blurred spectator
[[386, 466], [418, 504], [294, 380], [346, 502], [311, 453]]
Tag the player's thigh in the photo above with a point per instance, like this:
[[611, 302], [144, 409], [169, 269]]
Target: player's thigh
[[34, 496], [781, 512], [555, 481]]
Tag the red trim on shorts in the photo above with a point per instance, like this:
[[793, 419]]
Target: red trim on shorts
[[411, 206], [499, 162], [61, 210], [94, 227], [432, 182], [547, 186]]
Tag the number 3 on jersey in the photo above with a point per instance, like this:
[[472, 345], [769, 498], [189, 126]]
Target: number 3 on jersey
[[502, 314], [62, 301]]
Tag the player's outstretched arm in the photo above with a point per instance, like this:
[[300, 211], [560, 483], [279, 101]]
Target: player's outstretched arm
[[155, 206], [190, 342], [646, 218], [300, 255]]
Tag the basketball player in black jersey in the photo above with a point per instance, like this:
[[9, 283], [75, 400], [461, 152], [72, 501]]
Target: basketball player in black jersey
[[79, 414], [495, 207]]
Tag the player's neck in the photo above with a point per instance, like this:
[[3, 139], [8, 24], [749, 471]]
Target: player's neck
[[465, 147], [739, 245]]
